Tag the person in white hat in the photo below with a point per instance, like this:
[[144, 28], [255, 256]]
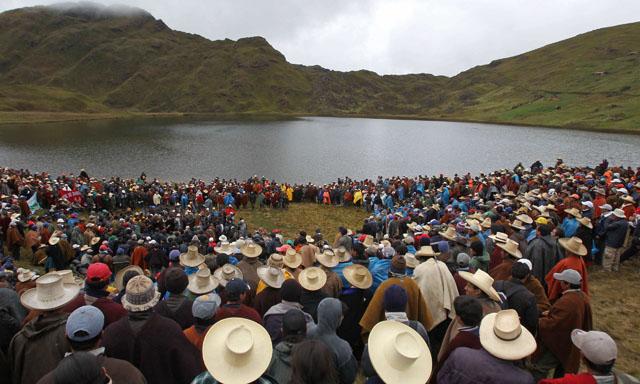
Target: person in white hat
[[510, 253], [615, 232], [504, 342], [571, 310], [599, 353]]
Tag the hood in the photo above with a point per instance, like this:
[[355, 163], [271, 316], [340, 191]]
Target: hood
[[329, 314], [549, 240], [283, 352], [43, 325]]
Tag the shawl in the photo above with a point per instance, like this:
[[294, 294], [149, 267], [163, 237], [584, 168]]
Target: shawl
[[571, 262], [438, 288]]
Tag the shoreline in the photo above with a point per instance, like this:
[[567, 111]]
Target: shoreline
[[31, 118]]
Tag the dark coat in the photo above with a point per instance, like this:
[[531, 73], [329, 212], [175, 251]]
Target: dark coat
[[178, 309], [542, 253], [159, 349], [38, 348], [266, 299], [356, 301], [521, 300], [111, 310], [310, 301], [120, 371]]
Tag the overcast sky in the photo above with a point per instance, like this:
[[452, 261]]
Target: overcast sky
[[442, 37]]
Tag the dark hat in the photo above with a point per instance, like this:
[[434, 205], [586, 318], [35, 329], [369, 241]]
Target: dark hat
[[235, 288], [291, 291], [395, 299], [175, 280], [294, 323], [398, 265]]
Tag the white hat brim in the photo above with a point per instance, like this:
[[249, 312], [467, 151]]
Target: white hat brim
[[30, 299], [490, 291], [516, 349]]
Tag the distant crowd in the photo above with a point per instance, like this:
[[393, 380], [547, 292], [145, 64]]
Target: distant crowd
[[462, 279]]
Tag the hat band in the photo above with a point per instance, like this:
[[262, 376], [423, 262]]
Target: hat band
[[507, 336]]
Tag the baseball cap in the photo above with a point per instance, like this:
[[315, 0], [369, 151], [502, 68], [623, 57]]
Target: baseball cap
[[85, 323], [205, 306], [234, 288], [606, 207], [98, 272], [463, 259], [570, 276], [597, 347]]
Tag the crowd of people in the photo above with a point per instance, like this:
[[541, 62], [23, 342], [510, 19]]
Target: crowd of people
[[463, 279]]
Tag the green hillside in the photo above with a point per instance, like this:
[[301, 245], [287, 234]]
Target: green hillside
[[97, 60]]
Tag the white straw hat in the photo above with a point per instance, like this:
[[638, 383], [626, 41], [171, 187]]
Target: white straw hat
[[312, 278], [292, 259], [192, 258], [202, 282], [224, 247], [328, 258], [226, 273], [511, 247], [251, 250], [358, 276], [483, 281], [236, 350], [573, 245], [399, 354], [50, 293], [120, 275], [272, 276], [502, 335]]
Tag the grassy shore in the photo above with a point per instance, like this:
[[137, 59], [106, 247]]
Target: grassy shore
[[614, 302]]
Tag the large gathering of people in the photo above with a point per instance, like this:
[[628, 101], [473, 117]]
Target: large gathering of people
[[450, 279]]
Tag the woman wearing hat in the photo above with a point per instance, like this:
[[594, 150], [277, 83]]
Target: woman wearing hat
[[356, 296]]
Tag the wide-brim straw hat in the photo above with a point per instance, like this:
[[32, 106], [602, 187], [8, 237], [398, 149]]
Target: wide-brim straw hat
[[226, 273], [573, 212], [53, 240], [292, 259], [26, 275], [312, 278], [517, 224], [573, 245], [237, 350], [486, 223], [202, 282], [310, 239], [524, 218], [192, 258], [426, 251], [224, 247], [399, 354], [343, 254], [67, 276], [275, 260], [511, 247], [251, 250], [502, 335], [368, 241], [120, 275], [619, 213], [50, 293], [273, 277], [449, 234], [628, 199], [586, 222], [328, 258], [140, 294], [412, 261], [499, 237], [358, 276], [482, 281], [95, 240]]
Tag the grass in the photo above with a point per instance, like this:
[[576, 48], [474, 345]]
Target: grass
[[614, 299]]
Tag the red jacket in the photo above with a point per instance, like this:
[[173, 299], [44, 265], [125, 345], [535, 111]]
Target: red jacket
[[582, 378]]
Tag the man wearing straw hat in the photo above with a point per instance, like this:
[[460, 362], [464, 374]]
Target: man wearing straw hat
[[510, 253], [615, 232], [41, 344], [504, 342], [250, 263], [574, 250], [572, 310]]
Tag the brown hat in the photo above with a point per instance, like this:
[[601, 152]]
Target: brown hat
[[398, 265], [275, 260]]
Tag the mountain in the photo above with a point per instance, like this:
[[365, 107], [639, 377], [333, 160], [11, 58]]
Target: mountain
[[91, 59]]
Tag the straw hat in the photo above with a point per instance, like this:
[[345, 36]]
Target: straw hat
[[226, 273], [368, 241], [26, 275], [517, 224], [51, 292], [328, 258], [551, 207], [573, 245], [358, 276], [511, 247], [502, 335], [192, 258], [94, 240], [310, 239], [499, 237], [236, 350], [140, 294], [120, 275], [426, 251], [84, 248], [449, 234], [202, 282], [342, 254], [275, 260], [399, 354], [273, 277], [312, 278], [412, 261], [628, 199], [67, 276], [292, 259], [224, 247], [251, 250], [53, 240], [619, 213], [483, 281], [573, 212], [586, 222], [486, 223]]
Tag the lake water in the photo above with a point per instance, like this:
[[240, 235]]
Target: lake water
[[316, 149]]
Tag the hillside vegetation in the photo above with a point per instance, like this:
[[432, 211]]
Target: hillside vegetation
[[91, 59]]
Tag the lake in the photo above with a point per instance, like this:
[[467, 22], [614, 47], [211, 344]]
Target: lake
[[316, 149]]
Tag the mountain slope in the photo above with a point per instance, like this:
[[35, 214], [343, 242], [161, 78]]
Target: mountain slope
[[90, 59]]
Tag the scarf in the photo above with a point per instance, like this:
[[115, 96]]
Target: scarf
[[397, 316]]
